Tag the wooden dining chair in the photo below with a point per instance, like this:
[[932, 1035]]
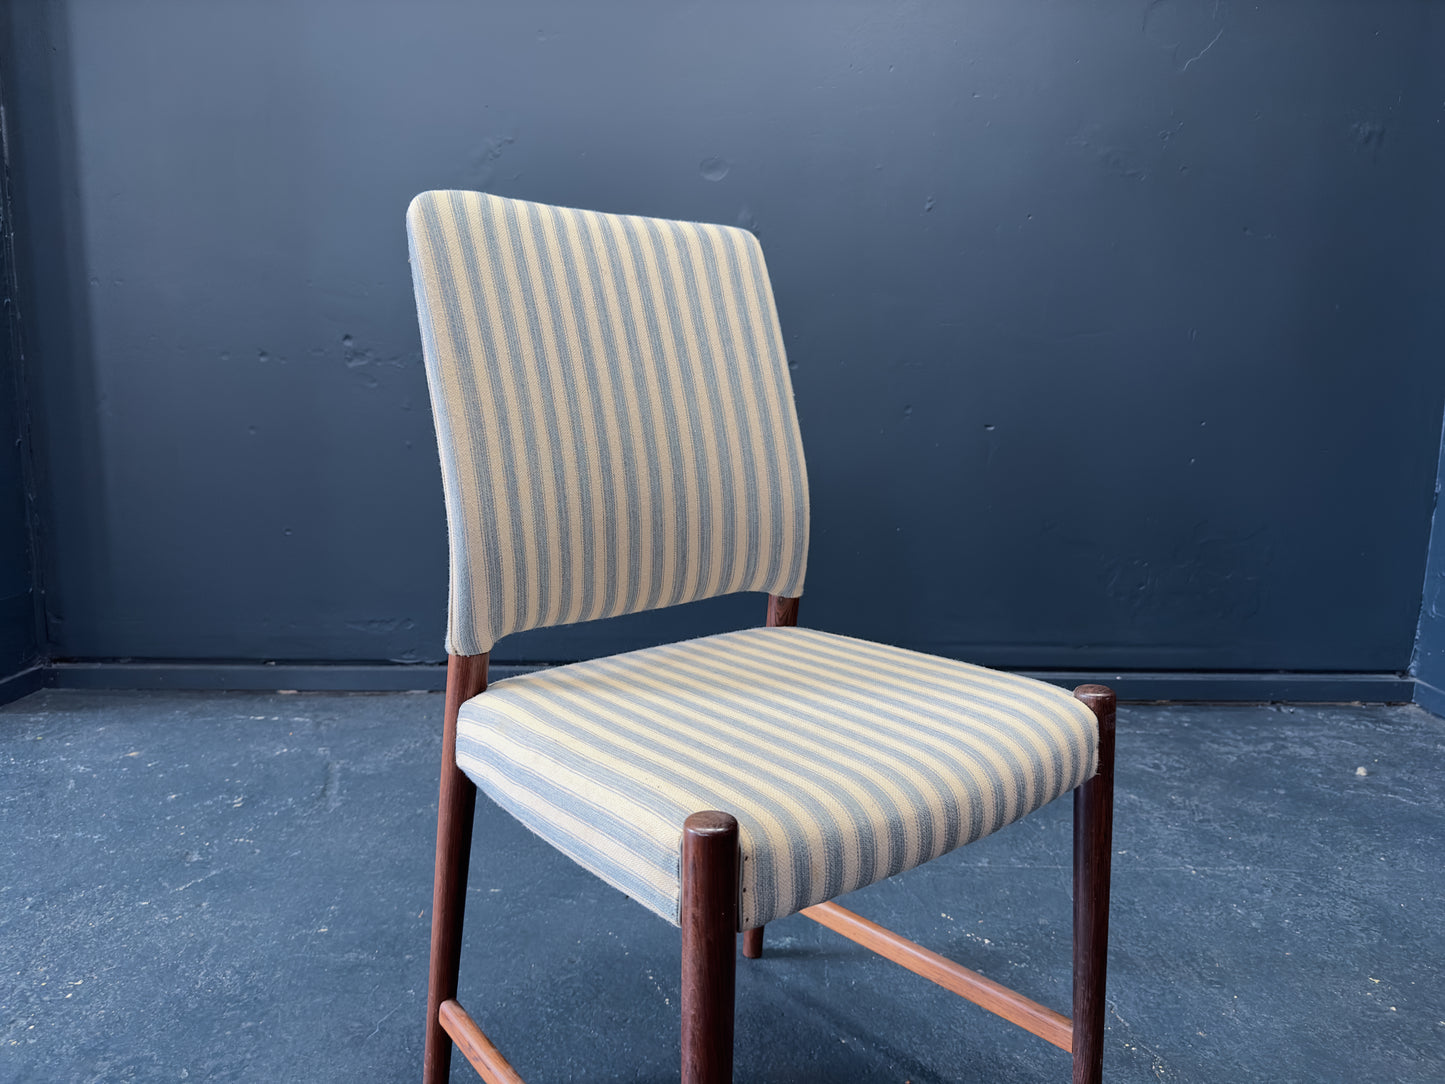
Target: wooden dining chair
[[617, 433]]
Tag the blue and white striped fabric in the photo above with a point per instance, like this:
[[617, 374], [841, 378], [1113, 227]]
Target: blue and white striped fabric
[[613, 411], [844, 762]]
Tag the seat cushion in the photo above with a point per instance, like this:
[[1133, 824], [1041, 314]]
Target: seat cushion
[[843, 761]]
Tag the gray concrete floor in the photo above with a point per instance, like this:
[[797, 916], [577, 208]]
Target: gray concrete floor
[[236, 887]]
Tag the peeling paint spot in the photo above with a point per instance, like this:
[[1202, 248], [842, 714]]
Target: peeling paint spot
[[486, 156], [380, 626], [354, 358], [1220, 575], [1368, 136], [1114, 161], [365, 362]]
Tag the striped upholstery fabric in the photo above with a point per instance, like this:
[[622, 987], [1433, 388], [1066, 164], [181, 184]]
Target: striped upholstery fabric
[[613, 410], [844, 762]]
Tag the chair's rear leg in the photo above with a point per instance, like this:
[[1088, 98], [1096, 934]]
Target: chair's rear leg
[[1093, 847], [753, 943], [709, 946], [456, 806], [782, 613]]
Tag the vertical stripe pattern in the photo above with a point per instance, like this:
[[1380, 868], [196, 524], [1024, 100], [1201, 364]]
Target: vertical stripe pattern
[[613, 412], [844, 762]]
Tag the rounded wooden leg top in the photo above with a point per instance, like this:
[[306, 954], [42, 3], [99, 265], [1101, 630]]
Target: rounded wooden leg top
[[709, 946]]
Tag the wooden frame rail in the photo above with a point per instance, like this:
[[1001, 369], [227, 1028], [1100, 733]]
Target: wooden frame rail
[[996, 998], [969, 985], [486, 1059]]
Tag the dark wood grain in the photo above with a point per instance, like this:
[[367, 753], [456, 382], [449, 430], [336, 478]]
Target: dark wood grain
[[1093, 849], [970, 985], [753, 943], [782, 612], [456, 806], [486, 1059], [709, 946]]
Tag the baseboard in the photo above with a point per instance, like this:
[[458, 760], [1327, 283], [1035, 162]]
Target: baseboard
[[1240, 686], [431, 677], [22, 684], [1430, 698], [254, 677]]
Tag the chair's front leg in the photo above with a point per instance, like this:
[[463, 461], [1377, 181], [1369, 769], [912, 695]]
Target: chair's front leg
[[1093, 847], [456, 806], [709, 946]]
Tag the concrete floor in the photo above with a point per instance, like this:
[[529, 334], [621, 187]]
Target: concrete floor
[[236, 887]]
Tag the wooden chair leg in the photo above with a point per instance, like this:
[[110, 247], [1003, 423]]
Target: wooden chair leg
[[782, 613], [456, 806], [1093, 848], [709, 946], [753, 943]]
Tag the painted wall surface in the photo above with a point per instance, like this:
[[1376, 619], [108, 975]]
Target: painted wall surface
[[1115, 327], [1429, 663], [19, 648]]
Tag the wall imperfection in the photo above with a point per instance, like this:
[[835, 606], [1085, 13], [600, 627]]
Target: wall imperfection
[[1368, 136], [714, 169], [1186, 29]]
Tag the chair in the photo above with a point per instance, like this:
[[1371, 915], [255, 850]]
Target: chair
[[617, 433]]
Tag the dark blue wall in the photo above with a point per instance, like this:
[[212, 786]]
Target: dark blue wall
[[1116, 327], [19, 647], [1429, 667]]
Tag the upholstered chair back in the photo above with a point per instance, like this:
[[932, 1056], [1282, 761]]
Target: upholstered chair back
[[613, 412]]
